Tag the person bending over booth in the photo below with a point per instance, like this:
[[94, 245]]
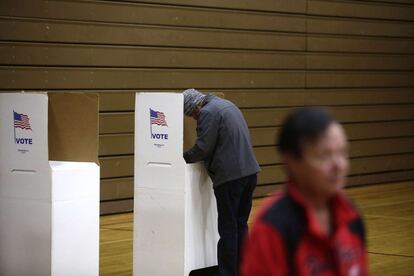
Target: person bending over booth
[[223, 143]]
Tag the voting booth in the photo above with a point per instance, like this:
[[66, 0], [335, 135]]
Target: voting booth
[[49, 184], [175, 214]]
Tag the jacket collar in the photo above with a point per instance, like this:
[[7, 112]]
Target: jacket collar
[[341, 209], [208, 98]]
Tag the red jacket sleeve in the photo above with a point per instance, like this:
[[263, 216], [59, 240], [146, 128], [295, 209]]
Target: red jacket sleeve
[[264, 252]]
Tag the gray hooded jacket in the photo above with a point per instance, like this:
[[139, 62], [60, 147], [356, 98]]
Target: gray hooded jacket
[[223, 142]]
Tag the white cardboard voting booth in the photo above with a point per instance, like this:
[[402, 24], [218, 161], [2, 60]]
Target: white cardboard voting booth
[[175, 214], [49, 210]]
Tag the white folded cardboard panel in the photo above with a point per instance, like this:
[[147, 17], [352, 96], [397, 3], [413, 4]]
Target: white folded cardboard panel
[[175, 214], [200, 219], [49, 210]]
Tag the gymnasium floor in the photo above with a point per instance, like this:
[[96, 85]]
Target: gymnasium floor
[[389, 217]]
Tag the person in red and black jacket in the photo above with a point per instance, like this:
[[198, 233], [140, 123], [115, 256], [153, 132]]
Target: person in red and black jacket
[[311, 228]]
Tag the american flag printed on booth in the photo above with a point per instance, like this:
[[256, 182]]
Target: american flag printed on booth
[[21, 121], [157, 118]]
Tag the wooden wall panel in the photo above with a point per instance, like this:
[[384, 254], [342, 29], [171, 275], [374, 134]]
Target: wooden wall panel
[[119, 188], [275, 116], [37, 54], [359, 79], [298, 6], [41, 30], [384, 177], [351, 44], [152, 14], [361, 9], [268, 57], [268, 155], [359, 62], [256, 98], [87, 78], [360, 27]]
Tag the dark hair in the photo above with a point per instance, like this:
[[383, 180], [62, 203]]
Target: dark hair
[[304, 125]]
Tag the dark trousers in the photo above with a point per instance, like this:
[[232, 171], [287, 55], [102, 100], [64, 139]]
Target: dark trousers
[[234, 202]]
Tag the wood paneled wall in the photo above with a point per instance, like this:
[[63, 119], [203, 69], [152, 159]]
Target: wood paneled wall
[[267, 56]]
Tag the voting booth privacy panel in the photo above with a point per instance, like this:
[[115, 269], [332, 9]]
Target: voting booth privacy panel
[[49, 184], [175, 218]]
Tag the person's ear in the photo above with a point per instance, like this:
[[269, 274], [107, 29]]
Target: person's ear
[[197, 109], [290, 160], [286, 158]]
